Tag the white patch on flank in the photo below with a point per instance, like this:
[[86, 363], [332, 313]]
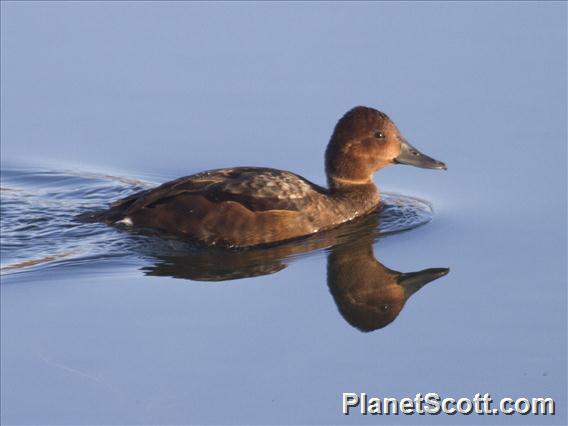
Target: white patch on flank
[[126, 221]]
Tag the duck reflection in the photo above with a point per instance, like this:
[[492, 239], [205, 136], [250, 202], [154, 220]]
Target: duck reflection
[[367, 294]]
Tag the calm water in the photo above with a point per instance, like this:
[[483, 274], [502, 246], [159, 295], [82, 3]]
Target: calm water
[[103, 326]]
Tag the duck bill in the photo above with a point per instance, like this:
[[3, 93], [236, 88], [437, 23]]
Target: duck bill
[[411, 156], [414, 281]]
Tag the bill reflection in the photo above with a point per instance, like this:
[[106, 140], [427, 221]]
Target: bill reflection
[[368, 294]]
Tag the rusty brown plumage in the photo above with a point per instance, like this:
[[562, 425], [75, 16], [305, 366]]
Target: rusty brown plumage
[[247, 206]]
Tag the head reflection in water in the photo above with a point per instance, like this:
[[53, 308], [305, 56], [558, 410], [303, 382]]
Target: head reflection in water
[[368, 295]]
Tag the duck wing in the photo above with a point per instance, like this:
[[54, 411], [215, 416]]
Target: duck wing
[[258, 189]]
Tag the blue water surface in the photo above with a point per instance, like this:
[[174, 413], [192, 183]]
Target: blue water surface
[[98, 99]]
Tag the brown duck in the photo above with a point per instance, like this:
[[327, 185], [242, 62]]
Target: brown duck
[[248, 206]]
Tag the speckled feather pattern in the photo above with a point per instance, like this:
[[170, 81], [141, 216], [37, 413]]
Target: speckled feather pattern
[[240, 206]]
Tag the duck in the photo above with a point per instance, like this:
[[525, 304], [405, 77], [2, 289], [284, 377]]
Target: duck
[[240, 207]]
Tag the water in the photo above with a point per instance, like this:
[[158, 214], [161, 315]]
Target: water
[[41, 229], [104, 326]]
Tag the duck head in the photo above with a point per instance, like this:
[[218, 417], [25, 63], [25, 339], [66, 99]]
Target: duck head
[[366, 140]]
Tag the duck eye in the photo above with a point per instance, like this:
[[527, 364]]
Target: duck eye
[[385, 307], [380, 135]]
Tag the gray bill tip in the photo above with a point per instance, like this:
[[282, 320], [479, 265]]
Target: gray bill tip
[[413, 281], [413, 157]]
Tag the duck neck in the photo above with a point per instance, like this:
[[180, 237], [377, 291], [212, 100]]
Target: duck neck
[[343, 181], [356, 197]]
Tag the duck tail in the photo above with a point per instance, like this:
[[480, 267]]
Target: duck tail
[[114, 213]]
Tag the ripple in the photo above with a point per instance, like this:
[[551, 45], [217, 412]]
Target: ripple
[[38, 208]]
